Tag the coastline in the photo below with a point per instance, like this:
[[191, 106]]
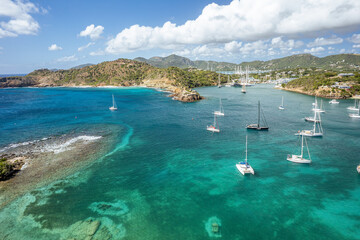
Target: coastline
[[47, 160], [176, 93], [316, 94]]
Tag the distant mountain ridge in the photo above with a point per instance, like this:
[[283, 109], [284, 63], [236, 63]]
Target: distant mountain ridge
[[334, 62]]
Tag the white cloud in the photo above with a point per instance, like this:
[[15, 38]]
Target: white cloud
[[314, 50], [97, 53], [54, 47], [16, 18], [244, 20], [331, 48], [233, 46], [92, 32], [355, 38], [72, 58], [342, 50], [325, 41], [268, 47], [356, 46], [85, 46]]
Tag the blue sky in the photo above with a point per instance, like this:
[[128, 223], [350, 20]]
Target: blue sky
[[61, 34]]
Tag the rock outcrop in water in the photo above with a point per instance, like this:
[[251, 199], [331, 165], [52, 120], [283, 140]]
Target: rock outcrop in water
[[17, 82], [9, 165]]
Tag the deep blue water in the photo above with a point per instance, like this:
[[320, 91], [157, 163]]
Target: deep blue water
[[167, 176]]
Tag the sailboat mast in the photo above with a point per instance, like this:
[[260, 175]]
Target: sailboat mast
[[259, 114], [282, 101], [246, 151], [113, 100], [302, 145]]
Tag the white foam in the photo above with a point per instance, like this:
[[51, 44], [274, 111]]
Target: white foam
[[58, 148], [15, 145]]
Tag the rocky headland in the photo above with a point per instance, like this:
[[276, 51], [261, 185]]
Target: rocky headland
[[121, 73]]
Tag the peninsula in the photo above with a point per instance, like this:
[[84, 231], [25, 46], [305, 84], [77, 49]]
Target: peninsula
[[121, 72]]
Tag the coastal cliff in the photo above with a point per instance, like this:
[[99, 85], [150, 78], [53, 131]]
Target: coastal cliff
[[122, 72]]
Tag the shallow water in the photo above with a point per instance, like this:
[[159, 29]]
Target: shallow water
[[167, 176]]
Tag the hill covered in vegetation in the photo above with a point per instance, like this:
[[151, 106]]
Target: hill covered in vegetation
[[122, 72], [326, 84], [338, 62]]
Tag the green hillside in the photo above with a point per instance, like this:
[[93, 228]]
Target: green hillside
[[336, 62]]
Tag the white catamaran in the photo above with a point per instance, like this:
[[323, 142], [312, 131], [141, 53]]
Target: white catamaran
[[114, 107], [244, 167], [221, 111], [300, 158], [317, 131], [214, 127], [281, 107]]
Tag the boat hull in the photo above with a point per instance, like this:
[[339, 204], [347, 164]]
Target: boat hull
[[245, 169], [256, 127], [354, 115], [352, 109], [112, 108], [212, 129], [311, 119], [309, 134], [219, 113], [297, 159], [318, 110], [281, 108]]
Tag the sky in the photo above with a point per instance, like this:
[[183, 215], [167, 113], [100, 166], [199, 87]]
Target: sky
[[60, 34]]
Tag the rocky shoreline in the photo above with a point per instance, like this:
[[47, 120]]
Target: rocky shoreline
[[38, 162], [322, 92]]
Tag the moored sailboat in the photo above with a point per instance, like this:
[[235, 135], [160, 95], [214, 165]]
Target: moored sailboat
[[221, 111], [244, 167], [113, 107], [257, 126], [214, 127], [317, 131], [281, 107], [300, 158], [355, 107]]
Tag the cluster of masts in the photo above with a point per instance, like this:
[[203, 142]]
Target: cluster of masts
[[317, 131]]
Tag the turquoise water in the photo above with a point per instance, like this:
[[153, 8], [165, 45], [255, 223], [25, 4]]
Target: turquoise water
[[166, 176]]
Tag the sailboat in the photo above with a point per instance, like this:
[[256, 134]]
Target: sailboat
[[243, 89], [221, 112], [312, 119], [333, 101], [355, 107], [114, 107], [300, 158], [244, 167], [355, 115], [213, 128], [219, 84], [281, 107], [256, 126], [314, 103], [316, 109], [313, 132]]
